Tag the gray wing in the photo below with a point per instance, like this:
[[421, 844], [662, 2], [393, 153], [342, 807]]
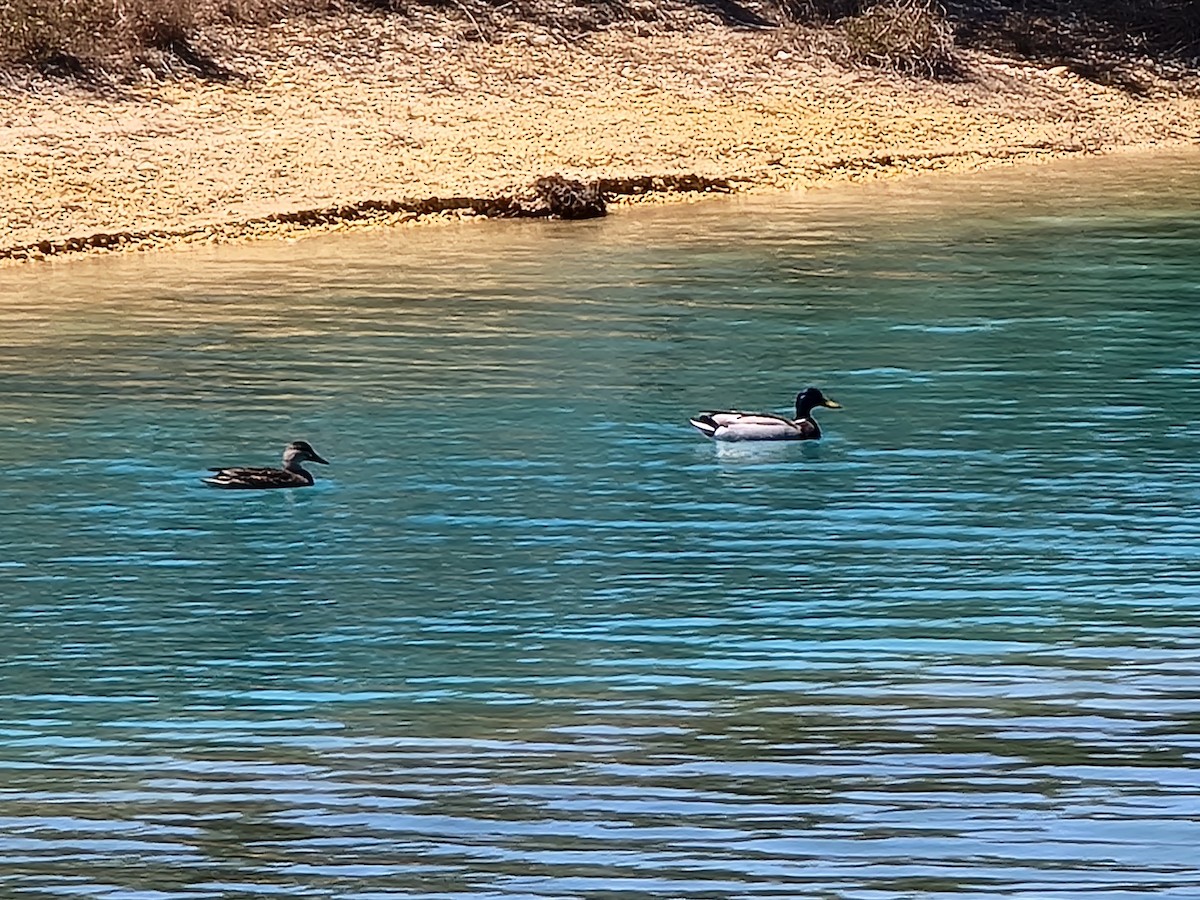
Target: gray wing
[[757, 427]]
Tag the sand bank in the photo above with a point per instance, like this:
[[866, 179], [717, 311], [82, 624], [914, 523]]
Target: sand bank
[[370, 108]]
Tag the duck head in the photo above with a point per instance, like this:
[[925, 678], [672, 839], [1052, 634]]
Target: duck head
[[810, 398], [301, 451]]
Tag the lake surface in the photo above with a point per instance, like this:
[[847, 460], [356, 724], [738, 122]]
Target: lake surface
[[532, 636]]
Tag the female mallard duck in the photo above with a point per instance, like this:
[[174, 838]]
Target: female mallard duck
[[740, 426], [291, 475]]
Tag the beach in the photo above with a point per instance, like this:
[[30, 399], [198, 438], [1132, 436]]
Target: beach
[[328, 115]]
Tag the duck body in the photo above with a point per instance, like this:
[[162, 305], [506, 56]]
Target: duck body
[[732, 425], [292, 475], [740, 426]]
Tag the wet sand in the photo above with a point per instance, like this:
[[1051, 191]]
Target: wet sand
[[370, 108]]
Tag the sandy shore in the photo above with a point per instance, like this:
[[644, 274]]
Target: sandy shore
[[371, 108]]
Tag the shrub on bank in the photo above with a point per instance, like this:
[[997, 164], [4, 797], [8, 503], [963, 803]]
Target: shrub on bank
[[909, 36], [1095, 38], [116, 33], [34, 31], [819, 12]]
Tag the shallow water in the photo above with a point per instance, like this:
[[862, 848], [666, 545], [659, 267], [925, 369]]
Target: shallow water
[[532, 636]]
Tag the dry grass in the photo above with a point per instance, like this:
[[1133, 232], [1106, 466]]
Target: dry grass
[[908, 36], [1103, 40], [116, 34]]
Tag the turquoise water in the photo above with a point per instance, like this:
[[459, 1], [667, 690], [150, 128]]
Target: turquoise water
[[531, 636]]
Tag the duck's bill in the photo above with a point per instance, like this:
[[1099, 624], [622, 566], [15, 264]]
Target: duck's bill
[[320, 459], [832, 404]]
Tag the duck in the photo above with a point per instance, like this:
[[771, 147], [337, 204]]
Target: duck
[[292, 474], [732, 425]]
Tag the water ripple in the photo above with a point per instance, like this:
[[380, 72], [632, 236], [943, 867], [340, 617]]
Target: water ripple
[[529, 636]]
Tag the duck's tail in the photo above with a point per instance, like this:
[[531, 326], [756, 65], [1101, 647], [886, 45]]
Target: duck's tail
[[221, 479], [706, 424]]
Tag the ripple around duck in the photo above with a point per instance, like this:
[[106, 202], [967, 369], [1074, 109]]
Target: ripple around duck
[[530, 636]]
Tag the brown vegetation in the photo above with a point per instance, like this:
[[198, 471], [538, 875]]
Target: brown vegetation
[[909, 36], [1105, 40], [123, 36]]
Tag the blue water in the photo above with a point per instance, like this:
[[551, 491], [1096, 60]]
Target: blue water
[[531, 636]]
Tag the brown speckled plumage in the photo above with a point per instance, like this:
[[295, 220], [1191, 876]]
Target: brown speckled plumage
[[259, 477]]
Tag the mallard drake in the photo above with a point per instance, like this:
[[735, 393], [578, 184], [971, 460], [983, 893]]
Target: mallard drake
[[291, 475], [739, 426]]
